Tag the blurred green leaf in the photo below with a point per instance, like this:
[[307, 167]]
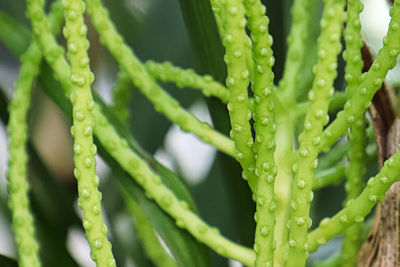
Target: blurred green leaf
[[17, 43]]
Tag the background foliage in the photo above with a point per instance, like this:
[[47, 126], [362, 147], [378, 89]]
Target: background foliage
[[184, 33]]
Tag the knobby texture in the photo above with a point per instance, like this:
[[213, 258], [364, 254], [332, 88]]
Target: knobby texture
[[82, 130], [136, 166], [357, 135], [166, 72], [236, 45], [161, 100], [265, 149], [370, 83], [325, 72], [23, 222], [18, 187], [378, 185], [265, 128]]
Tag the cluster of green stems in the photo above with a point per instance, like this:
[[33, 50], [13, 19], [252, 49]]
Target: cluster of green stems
[[281, 168]]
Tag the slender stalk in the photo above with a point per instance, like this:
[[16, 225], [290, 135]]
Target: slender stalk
[[357, 136], [18, 187], [134, 165], [337, 103], [161, 100], [235, 41], [358, 208], [166, 72], [156, 190], [370, 83], [325, 72], [82, 130], [265, 128]]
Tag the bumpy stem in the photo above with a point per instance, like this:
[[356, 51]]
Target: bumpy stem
[[371, 82], [82, 131], [358, 208], [328, 49], [22, 220], [156, 190], [132, 163], [265, 129], [235, 40], [219, 10], [18, 186], [162, 101], [357, 135], [166, 72]]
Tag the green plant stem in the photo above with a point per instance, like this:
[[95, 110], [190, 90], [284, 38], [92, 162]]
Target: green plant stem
[[284, 158], [222, 20], [336, 174], [299, 42], [357, 135], [155, 189], [18, 187], [147, 235], [370, 83], [328, 49], [82, 130], [133, 164], [337, 102], [162, 101], [265, 129], [234, 40], [358, 208], [121, 95], [166, 72], [22, 219]]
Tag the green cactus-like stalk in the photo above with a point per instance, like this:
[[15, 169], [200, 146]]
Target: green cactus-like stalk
[[18, 187], [370, 83], [133, 164], [265, 129], [22, 219], [166, 72], [358, 208], [357, 136], [325, 72], [82, 130], [162, 101], [235, 41]]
